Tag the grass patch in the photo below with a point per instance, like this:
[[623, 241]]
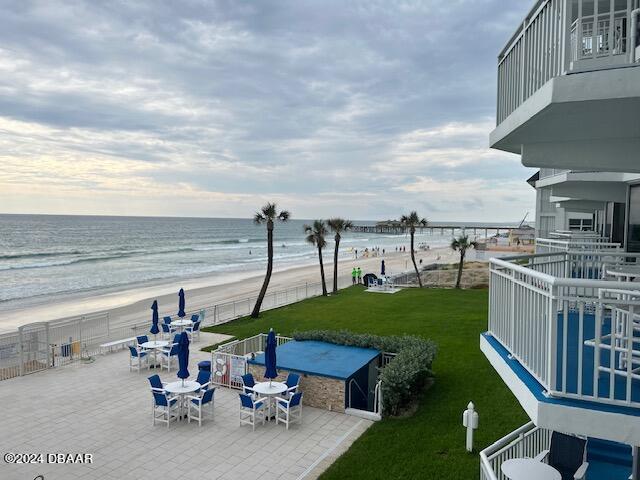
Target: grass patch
[[429, 444], [210, 348]]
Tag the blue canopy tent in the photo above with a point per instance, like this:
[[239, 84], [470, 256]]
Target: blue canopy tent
[[183, 356], [154, 319], [270, 371], [181, 313]]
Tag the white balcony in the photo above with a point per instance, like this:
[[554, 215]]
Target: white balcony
[[575, 241], [560, 37], [565, 338], [606, 460], [569, 87]]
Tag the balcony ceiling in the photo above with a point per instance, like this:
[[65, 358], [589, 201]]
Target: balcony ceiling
[[580, 206], [580, 121]]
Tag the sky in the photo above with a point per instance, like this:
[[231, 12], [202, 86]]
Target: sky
[[365, 110]]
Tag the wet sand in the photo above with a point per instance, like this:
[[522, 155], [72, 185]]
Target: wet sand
[[133, 304]]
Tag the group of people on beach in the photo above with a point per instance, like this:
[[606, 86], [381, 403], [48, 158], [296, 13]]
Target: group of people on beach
[[356, 276], [377, 251]]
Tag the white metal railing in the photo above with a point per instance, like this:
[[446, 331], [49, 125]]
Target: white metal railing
[[525, 442], [564, 244], [560, 37], [578, 234], [229, 360], [60, 342], [377, 398], [541, 308]]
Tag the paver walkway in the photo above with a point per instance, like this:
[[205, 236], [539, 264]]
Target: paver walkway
[[104, 410]]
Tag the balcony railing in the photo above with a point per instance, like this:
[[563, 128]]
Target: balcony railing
[[526, 442], [586, 243], [575, 332], [560, 37]]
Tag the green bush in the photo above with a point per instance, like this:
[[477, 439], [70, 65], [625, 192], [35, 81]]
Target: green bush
[[403, 377]]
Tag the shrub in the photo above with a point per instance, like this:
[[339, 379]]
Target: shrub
[[404, 377]]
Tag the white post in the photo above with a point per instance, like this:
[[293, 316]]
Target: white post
[[470, 421], [635, 472]]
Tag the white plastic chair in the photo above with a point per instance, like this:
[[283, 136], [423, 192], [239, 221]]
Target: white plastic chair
[[289, 411], [252, 410], [197, 404], [164, 408], [137, 357]]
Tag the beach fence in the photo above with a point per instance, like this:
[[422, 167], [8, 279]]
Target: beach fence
[[41, 345]]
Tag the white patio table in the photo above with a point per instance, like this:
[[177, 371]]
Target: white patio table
[[529, 469], [181, 324], [624, 272], [182, 388], [154, 345], [269, 390]]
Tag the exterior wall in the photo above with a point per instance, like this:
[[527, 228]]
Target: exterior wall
[[319, 392], [550, 216]]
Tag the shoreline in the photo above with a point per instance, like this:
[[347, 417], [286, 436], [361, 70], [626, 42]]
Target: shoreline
[[131, 304]]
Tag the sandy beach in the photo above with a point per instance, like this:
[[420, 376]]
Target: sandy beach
[[133, 304]]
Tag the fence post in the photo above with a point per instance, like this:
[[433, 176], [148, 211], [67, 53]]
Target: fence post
[[82, 322], [306, 290], [21, 346], [552, 322]]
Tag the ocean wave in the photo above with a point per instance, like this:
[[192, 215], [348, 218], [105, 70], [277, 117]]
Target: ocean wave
[[65, 262], [19, 256]]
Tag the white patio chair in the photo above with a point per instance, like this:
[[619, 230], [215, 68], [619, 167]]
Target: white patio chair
[[164, 408], [197, 404], [289, 411], [252, 410], [137, 357]]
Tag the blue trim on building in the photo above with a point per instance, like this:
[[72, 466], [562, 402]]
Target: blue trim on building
[[539, 392]]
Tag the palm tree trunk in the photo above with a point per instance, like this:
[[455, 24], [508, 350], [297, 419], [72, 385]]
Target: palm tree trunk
[[413, 257], [335, 264], [324, 284], [267, 278], [460, 266]]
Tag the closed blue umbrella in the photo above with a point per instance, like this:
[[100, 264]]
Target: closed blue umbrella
[[382, 268], [154, 319], [181, 313], [183, 356], [270, 357]]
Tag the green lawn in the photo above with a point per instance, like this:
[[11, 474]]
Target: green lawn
[[430, 444]]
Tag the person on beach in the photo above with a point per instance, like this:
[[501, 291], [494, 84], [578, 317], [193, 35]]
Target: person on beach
[[359, 275], [356, 253], [354, 275]]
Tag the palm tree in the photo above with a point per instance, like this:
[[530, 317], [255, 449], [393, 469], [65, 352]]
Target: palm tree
[[412, 221], [267, 214], [337, 226], [461, 244], [316, 236]]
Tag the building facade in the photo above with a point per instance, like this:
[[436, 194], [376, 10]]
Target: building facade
[[564, 324]]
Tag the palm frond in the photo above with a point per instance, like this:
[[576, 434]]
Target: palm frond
[[258, 218], [269, 211], [284, 215]]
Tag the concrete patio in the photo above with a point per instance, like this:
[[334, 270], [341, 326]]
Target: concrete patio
[[104, 410]]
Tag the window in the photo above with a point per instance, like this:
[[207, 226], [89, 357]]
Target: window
[[633, 230]]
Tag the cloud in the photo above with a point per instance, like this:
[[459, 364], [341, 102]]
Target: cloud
[[329, 106]]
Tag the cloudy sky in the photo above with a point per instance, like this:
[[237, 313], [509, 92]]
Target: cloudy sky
[[211, 108]]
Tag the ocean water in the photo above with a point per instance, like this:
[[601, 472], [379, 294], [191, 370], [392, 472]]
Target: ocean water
[[51, 255]]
